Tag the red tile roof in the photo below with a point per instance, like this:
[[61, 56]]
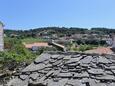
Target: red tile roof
[[101, 50], [38, 44]]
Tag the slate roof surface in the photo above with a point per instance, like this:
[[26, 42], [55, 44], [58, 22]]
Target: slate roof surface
[[68, 69]]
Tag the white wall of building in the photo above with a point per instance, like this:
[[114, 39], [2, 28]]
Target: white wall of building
[[1, 38]]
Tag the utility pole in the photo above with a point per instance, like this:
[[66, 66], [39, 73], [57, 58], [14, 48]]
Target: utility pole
[[1, 36]]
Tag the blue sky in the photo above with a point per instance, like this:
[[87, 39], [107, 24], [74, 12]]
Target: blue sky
[[27, 14]]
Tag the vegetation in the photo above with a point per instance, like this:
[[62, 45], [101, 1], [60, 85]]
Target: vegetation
[[16, 51], [91, 42], [32, 40], [82, 48], [61, 31], [86, 47], [57, 30]]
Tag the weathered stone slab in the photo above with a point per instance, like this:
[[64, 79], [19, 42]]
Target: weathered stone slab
[[52, 61], [106, 77], [101, 84], [73, 70], [52, 83], [92, 65], [47, 69], [73, 82], [86, 60], [81, 75], [72, 64], [84, 65], [67, 57], [60, 57], [103, 60], [57, 62], [68, 69], [111, 84], [96, 71], [95, 59], [49, 73], [34, 76], [18, 82], [36, 84], [92, 82], [73, 60], [56, 72], [61, 82], [42, 58], [76, 56], [55, 56], [113, 71], [23, 77], [110, 67], [34, 67], [65, 75], [108, 72]]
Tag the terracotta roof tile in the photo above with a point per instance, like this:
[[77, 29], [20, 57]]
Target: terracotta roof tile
[[101, 50], [39, 44]]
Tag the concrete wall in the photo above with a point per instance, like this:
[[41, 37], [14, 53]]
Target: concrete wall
[[1, 38]]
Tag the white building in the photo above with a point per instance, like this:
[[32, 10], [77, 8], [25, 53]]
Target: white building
[[113, 38], [1, 37]]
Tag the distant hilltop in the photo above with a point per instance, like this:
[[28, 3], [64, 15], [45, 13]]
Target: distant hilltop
[[60, 30]]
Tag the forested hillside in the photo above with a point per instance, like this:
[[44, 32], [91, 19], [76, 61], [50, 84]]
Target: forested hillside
[[57, 30]]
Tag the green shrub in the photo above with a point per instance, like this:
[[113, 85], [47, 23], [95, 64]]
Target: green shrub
[[17, 51], [85, 47]]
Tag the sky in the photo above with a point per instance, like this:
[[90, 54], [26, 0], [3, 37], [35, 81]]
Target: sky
[[30, 14]]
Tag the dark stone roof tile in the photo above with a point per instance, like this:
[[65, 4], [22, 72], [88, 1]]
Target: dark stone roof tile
[[73, 82], [68, 69], [81, 75], [65, 75], [86, 60], [34, 76], [106, 78], [42, 58], [73, 60], [55, 56], [49, 73], [96, 71], [18, 82], [67, 57], [61, 82], [23, 77], [103, 60], [111, 84], [34, 67]]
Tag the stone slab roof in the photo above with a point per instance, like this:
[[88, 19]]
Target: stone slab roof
[[68, 69]]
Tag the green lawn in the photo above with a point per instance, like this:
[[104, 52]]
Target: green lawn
[[32, 40]]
